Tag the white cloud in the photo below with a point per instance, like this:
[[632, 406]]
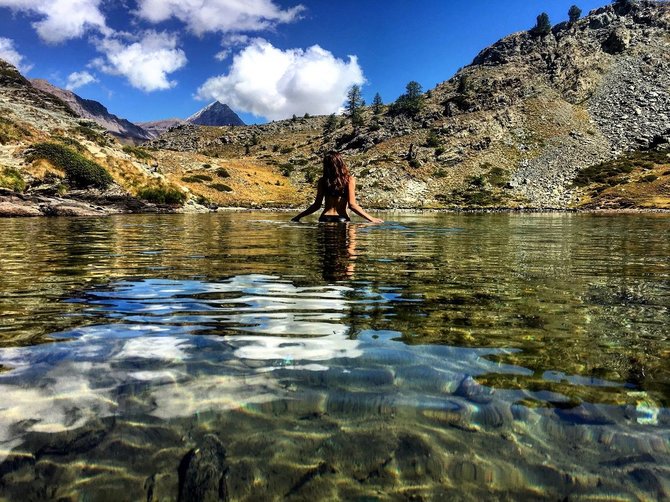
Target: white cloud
[[276, 84], [146, 63], [62, 19], [222, 54], [202, 16], [79, 79], [9, 53]]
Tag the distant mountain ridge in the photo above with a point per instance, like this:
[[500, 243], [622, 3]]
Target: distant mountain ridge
[[95, 111], [216, 114], [158, 127]]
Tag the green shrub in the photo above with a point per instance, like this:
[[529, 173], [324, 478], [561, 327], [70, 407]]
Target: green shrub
[[207, 166], [222, 173], [433, 140], [196, 178], [626, 164], [439, 151], [79, 171], [286, 150], [12, 179], [440, 173], [286, 169], [414, 163], [649, 178], [497, 176], [221, 187], [138, 153], [91, 134], [69, 142], [162, 194]]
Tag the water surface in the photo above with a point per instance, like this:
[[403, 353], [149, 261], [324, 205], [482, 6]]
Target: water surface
[[469, 356]]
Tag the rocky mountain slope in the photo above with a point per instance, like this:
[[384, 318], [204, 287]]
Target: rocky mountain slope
[[95, 111], [513, 129], [157, 127], [52, 162], [576, 118]]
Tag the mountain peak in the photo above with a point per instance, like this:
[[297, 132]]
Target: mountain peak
[[215, 114]]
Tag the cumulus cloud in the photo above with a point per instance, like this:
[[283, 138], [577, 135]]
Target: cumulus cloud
[[230, 42], [146, 62], [9, 53], [79, 79], [202, 16], [276, 84], [62, 20]]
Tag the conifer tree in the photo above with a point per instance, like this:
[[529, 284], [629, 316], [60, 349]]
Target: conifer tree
[[543, 26], [354, 106], [574, 13], [377, 104], [411, 102]]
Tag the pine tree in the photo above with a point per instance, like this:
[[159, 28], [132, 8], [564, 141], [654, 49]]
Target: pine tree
[[543, 26], [574, 13], [377, 104], [411, 102], [354, 106]]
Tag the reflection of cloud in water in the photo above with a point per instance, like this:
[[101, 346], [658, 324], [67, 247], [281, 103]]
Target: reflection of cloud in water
[[165, 348], [214, 393], [257, 304], [63, 385], [296, 349]]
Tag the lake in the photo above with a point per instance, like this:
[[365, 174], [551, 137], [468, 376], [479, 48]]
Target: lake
[[436, 356]]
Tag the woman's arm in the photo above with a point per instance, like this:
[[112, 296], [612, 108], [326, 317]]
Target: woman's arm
[[354, 205], [316, 205]]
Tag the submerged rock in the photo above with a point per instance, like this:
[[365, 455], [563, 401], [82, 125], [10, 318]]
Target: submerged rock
[[202, 473]]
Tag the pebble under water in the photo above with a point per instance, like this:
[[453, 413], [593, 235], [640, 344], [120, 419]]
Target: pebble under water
[[238, 356]]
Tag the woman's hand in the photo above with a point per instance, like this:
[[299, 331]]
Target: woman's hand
[[376, 220]]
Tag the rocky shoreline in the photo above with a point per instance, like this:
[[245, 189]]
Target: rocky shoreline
[[16, 205]]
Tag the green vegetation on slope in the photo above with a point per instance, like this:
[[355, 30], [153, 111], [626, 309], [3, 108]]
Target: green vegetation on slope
[[11, 178], [80, 171], [162, 194]]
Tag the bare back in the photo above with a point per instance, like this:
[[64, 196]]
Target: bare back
[[335, 203]]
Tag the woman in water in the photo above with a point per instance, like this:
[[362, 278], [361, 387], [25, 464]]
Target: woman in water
[[338, 187]]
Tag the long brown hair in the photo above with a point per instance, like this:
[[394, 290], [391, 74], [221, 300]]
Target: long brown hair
[[335, 172]]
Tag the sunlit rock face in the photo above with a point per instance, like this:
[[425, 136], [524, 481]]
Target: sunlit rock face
[[216, 114]]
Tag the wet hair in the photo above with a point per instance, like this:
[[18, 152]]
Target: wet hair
[[335, 173]]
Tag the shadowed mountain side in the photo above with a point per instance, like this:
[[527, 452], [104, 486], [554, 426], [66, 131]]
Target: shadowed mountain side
[[95, 111]]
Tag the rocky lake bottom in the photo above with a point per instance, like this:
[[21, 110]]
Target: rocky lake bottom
[[240, 356]]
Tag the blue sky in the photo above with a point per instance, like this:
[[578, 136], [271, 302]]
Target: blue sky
[[154, 59]]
